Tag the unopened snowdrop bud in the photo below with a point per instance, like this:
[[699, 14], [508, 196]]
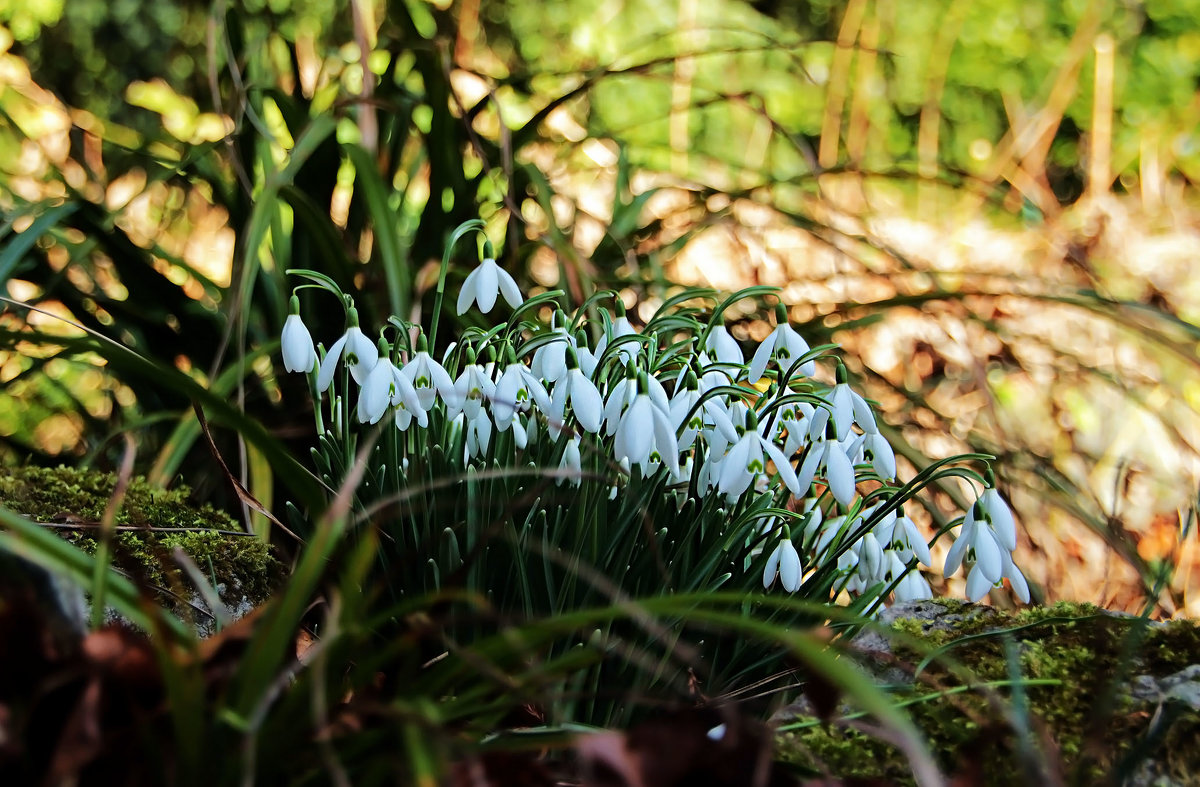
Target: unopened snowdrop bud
[[784, 562], [479, 435], [621, 328], [296, 342], [871, 555], [550, 360], [588, 359], [354, 348], [570, 464]]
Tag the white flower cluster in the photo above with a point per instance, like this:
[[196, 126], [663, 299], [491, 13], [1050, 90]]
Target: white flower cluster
[[677, 399]]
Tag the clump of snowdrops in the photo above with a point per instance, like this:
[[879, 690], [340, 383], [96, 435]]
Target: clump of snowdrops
[[546, 466]]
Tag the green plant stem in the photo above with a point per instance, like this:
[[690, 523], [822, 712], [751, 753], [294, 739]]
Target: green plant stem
[[463, 229]]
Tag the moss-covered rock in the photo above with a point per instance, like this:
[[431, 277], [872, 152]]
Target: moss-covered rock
[[242, 568], [1078, 664]]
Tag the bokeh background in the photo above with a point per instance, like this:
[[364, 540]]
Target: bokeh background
[[990, 206]]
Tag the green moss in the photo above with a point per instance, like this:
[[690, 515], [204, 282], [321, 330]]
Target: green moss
[[69, 496], [1083, 654]]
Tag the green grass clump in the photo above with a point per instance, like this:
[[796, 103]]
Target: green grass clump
[[246, 566], [1078, 655]]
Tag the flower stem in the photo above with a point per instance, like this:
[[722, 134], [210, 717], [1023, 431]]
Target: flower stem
[[463, 229]]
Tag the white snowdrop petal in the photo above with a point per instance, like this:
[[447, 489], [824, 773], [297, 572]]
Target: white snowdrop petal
[[772, 567], [977, 585], [883, 458], [784, 467], [329, 364], [843, 410], [637, 429], [509, 288], [1003, 524], [758, 364], [790, 570], [485, 286], [862, 413], [916, 541], [957, 551], [586, 402], [1017, 579], [840, 474], [987, 553], [817, 424], [734, 474], [664, 438], [808, 468]]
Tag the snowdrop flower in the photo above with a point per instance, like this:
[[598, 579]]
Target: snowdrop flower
[[586, 402], [645, 434], [912, 587], [745, 461], [524, 431], [850, 408], [993, 559], [878, 452], [784, 346], [296, 342], [354, 348], [622, 395], [977, 537], [724, 347], [620, 328], [428, 377], [908, 537], [827, 458], [588, 359], [570, 464], [386, 387], [710, 415], [515, 389], [783, 562], [471, 389], [482, 284], [550, 360], [479, 434]]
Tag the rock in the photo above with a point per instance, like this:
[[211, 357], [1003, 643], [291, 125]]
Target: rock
[[242, 568], [1107, 697]]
